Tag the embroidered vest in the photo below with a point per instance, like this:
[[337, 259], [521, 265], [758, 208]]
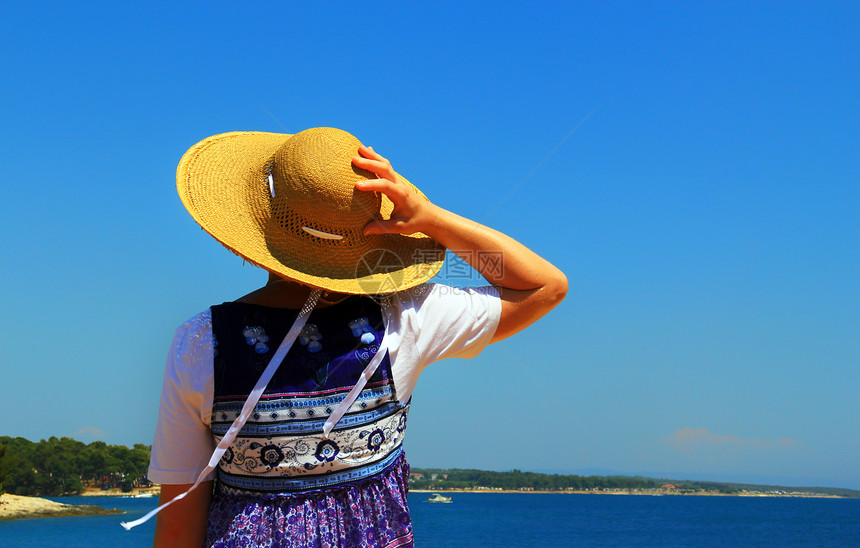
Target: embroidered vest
[[281, 449]]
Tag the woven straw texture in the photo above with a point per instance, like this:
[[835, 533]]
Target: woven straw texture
[[224, 182]]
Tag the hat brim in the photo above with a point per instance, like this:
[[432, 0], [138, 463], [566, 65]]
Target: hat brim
[[219, 181]]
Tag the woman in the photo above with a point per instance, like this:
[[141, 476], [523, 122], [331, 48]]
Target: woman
[[319, 461]]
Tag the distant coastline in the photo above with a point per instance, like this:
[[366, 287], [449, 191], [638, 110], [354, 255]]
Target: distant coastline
[[155, 490], [21, 507], [517, 481], [119, 471], [638, 492]]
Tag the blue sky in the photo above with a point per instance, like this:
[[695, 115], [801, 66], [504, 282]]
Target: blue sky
[[691, 167]]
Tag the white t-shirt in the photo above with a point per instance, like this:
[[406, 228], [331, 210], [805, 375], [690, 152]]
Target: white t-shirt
[[424, 324]]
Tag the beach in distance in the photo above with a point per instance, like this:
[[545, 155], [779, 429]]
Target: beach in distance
[[21, 507]]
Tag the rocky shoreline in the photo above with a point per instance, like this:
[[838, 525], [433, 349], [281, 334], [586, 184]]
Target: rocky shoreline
[[18, 507], [153, 491]]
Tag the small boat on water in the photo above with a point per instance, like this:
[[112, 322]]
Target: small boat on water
[[439, 498]]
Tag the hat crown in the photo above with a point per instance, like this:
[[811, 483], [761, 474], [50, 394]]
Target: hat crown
[[309, 225], [313, 176]]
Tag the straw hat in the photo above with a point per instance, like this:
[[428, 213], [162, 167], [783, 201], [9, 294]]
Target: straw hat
[[287, 203]]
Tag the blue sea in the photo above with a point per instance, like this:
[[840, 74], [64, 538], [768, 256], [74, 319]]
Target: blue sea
[[496, 519]]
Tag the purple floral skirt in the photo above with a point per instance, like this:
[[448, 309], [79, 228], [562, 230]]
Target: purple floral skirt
[[369, 513]]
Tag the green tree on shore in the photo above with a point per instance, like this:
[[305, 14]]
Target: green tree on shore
[[62, 466], [6, 466]]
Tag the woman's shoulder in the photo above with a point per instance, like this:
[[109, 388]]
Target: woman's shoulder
[[433, 308], [198, 322], [192, 333]]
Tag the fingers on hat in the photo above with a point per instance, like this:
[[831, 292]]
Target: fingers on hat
[[381, 226], [372, 163], [389, 188], [368, 152], [380, 168]]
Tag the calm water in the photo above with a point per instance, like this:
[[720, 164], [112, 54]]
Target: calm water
[[529, 520]]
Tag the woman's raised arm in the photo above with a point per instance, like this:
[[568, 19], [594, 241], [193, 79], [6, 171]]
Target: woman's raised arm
[[530, 286]]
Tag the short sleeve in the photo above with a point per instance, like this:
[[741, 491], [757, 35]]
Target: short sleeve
[[432, 322], [183, 441]]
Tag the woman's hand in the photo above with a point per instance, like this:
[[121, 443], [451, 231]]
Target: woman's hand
[[412, 213]]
